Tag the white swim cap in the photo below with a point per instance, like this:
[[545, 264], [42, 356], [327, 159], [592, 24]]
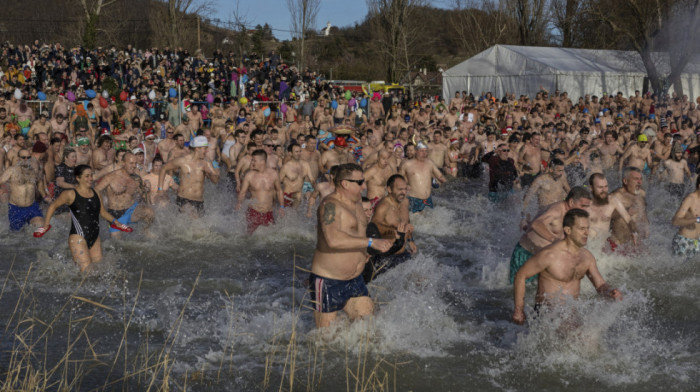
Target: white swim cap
[[200, 141]]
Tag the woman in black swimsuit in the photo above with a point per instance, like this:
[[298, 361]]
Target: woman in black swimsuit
[[85, 210]]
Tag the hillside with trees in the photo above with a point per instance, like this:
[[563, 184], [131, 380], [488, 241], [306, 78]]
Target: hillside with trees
[[395, 37]]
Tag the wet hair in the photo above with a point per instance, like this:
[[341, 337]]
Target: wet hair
[[345, 171], [80, 169], [628, 171], [66, 152], [556, 162], [390, 182], [572, 214], [578, 193], [291, 146], [103, 139], [259, 153], [596, 176], [157, 159]]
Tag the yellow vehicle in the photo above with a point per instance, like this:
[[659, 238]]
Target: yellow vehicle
[[382, 87]]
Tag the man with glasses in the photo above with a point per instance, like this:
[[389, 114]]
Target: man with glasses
[[639, 155], [336, 281], [24, 179], [502, 173]]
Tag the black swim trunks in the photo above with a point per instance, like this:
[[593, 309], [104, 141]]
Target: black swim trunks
[[198, 205], [330, 295]]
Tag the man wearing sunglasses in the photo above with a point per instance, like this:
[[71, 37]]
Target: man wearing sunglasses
[[24, 178], [336, 281]]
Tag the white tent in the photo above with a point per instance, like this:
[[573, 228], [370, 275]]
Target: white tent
[[523, 69]]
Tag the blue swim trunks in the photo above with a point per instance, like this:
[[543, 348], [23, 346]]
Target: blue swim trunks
[[123, 216], [330, 295], [418, 205], [307, 187], [20, 216]]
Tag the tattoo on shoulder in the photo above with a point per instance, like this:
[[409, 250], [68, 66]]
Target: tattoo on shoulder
[[328, 213]]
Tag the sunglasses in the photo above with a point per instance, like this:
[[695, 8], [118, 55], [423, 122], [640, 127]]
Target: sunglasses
[[504, 150], [358, 182], [268, 145], [25, 157]]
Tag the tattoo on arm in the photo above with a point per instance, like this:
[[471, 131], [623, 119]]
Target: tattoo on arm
[[328, 214]]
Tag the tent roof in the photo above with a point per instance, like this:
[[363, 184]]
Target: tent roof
[[528, 60]]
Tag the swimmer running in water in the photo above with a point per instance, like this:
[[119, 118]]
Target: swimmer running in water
[[561, 266], [85, 210]]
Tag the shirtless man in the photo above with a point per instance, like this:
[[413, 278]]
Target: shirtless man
[[59, 124], [336, 156], [610, 149], [391, 218], [419, 172], [676, 170], [603, 207], [633, 198], [437, 150], [639, 155], [123, 189], [686, 241], [103, 155], [293, 175], [311, 155], [376, 177], [530, 160], [179, 149], [41, 126], [335, 281], [234, 152], [548, 188], [264, 186], [546, 228], [24, 179], [166, 145], [560, 268], [84, 152], [193, 168]]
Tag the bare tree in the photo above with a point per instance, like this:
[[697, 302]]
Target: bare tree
[[651, 26], [180, 18], [396, 25], [238, 23], [532, 19], [480, 24], [303, 13], [564, 16], [93, 9]]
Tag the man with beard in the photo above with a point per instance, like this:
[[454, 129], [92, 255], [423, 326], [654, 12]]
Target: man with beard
[[391, 219], [548, 188], [24, 178], [686, 241], [560, 268], [677, 169], [546, 228], [122, 188], [603, 207], [633, 198]]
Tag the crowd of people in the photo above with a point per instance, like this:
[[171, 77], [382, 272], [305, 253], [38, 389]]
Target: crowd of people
[[288, 140]]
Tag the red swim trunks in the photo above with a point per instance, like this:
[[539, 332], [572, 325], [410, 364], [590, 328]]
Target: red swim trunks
[[288, 199], [256, 218], [374, 203]]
